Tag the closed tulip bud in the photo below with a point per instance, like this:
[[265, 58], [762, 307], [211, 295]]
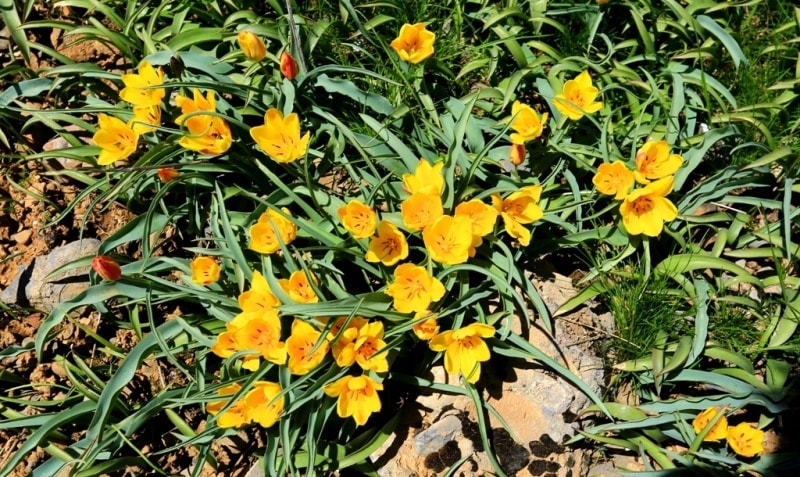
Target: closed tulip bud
[[252, 46], [517, 154], [288, 66], [166, 174], [106, 267]]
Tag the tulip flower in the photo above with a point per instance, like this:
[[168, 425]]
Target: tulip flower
[[252, 46], [358, 218], [116, 139], [280, 138], [527, 123], [389, 246], [106, 267], [205, 270], [578, 97], [614, 179], [357, 397], [653, 161], [720, 429], [464, 349], [644, 211], [414, 44], [141, 88], [288, 66], [413, 288], [746, 440], [167, 174]]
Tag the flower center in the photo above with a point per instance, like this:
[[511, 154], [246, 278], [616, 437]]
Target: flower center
[[390, 246], [642, 205]]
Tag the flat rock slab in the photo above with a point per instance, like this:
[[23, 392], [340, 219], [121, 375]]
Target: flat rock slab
[[32, 287]]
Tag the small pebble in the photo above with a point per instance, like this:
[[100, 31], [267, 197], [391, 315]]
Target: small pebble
[[23, 237]]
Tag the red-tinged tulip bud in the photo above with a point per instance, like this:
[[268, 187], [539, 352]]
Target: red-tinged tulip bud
[[252, 46], [166, 174], [517, 154], [106, 267], [288, 66]]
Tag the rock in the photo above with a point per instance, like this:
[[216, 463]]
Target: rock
[[437, 435], [255, 471], [23, 237], [5, 34], [32, 287], [58, 143], [538, 406]]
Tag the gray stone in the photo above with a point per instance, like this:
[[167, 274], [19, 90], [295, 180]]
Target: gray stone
[[58, 143], [34, 288], [255, 471], [5, 34], [437, 435]]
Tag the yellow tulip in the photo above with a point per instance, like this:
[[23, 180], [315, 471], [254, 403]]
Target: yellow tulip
[[140, 89], [261, 332], [259, 297], [205, 270], [426, 179], [234, 416], [305, 350], [207, 133], [358, 218], [427, 328], [519, 208], [264, 404], [420, 210], [389, 246], [578, 97], [613, 179], [527, 123], [271, 229], [298, 288], [653, 161], [464, 349], [746, 440], [644, 211], [359, 342], [279, 137], [357, 397], [252, 46], [146, 119], [482, 216], [413, 288], [414, 44], [117, 139], [448, 239], [720, 429]]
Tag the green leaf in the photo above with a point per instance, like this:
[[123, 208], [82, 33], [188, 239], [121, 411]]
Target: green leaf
[[777, 374], [682, 263], [8, 11], [729, 356], [596, 288], [737, 55], [27, 88], [377, 103], [39, 436], [679, 357], [188, 38], [619, 411]]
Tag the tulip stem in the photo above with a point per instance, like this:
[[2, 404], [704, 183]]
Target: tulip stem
[[301, 59]]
